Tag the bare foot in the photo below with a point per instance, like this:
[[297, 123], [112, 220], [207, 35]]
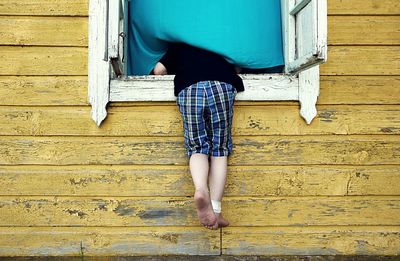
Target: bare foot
[[204, 209], [222, 222]]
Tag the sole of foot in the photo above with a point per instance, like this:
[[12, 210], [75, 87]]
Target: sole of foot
[[222, 222], [204, 210]]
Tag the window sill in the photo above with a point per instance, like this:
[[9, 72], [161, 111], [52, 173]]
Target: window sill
[[258, 87]]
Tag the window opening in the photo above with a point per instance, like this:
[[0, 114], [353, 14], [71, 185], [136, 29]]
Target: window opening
[[254, 46], [109, 80]]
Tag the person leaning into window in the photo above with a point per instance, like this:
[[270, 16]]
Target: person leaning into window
[[205, 85]]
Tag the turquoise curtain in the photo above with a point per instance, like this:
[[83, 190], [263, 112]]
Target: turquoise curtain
[[247, 33]]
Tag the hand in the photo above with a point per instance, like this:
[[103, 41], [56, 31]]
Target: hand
[[238, 69], [160, 69]]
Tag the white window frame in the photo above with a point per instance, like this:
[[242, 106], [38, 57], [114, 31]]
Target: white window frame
[[304, 24]]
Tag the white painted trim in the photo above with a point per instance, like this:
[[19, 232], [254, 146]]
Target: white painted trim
[[113, 29], [267, 87], [300, 5], [322, 43], [288, 32], [308, 93], [98, 68], [307, 27]]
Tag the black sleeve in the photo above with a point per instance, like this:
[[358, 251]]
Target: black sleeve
[[275, 69], [170, 59]]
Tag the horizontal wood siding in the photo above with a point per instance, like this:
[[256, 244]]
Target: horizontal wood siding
[[151, 180], [254, 120], [71, 188]]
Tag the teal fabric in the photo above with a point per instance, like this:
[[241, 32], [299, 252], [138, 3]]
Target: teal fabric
[[247, 33]]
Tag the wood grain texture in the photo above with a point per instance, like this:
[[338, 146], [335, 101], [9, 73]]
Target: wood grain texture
[[100, 241], [44, 90], [72, 90], [311, 240], [153, 181], [73, 31], [262, 87], [364, 7], [362, 60], [31, 30], [359, 90], [94, 241], [248, 150], [181, 211], [166, 121], [364, 30], [45, 7], [43, 60]]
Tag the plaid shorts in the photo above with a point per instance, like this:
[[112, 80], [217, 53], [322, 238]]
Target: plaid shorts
[[206, 108]]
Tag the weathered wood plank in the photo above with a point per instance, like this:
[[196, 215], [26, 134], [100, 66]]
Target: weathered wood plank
[[364, 7], [160, 88], [46, 90], [72, 90], [43, 60], [368, 30], [248, 150], [78, 241], [359, 90], [311, 241], [31, 30], [166, 121], [181, 211], [362, 60], [343, 60], [176, 257], [80, 7], [45, 7], [173, 240], [307, 211], [73, 31], [176, 181]]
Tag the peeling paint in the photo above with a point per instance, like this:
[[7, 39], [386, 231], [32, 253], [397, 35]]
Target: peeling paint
[[271, 249], [157, 214], [101, 205], [256, 124], [178, 202], [81, 182], [291, 212], [389, 129], [123, 210], [79, 213], [362, 175], [171, 237], [327, 115], [361, 247]]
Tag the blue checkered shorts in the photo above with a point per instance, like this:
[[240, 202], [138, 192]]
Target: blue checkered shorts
[[206, 108]]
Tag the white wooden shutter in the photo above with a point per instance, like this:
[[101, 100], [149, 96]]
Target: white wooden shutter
[[305, 33], [98, 64], [106, 54], [117, 11]]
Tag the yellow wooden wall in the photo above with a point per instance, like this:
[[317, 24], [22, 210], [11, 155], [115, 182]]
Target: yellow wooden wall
[[70, 188]]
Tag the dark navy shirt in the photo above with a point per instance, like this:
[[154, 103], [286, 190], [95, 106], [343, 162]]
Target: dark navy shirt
[[191, 65]]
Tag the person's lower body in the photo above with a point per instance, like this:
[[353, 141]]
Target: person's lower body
[[207, 111]]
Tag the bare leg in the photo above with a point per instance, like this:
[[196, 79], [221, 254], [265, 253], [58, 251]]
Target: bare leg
[[199, 170], [218, 173]]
